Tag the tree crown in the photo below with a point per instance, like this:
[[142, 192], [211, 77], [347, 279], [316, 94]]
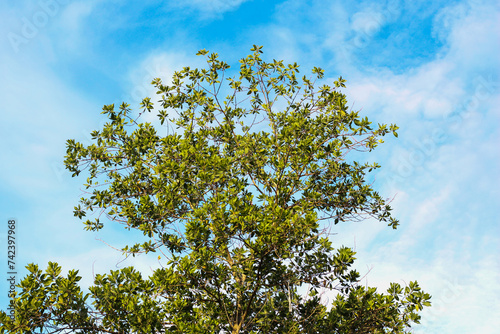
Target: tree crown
[[239, 200]]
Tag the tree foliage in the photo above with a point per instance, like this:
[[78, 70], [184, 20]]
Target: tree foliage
[[240, 200]]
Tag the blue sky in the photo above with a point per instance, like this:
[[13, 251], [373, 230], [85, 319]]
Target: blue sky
[[432, 67]]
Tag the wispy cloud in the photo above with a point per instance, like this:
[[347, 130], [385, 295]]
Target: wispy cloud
[[209, 9]]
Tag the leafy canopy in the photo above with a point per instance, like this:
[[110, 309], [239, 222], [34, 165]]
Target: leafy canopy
[[239, 200]]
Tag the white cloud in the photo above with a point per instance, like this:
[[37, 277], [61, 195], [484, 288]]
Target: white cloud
[[473, 35], [367, 22]]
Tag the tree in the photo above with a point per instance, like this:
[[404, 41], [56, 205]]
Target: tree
[[239, 199]]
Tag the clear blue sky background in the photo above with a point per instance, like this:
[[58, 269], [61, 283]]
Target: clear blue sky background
[[432, 67]]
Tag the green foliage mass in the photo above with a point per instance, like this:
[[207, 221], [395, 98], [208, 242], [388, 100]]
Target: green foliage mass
[[239, 200]]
